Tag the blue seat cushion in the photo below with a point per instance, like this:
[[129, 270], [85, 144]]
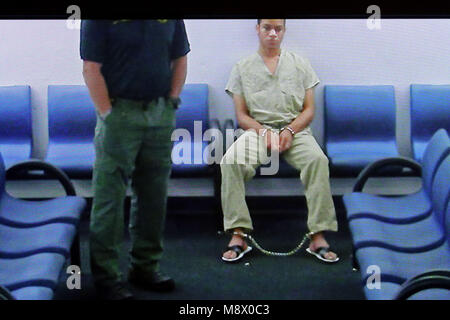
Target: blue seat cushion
[[402, 266], [75, 159], [20, 213], [22, 242], [389, 290], [371, 149], [413, 237], [402, 209], [431, 294], [14, 153], [352, 157], [33, 293], [42, 270], [191, 156]]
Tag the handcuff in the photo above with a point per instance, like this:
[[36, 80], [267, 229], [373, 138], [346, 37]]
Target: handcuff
[[264, 132], [281, 130], [288, 128]]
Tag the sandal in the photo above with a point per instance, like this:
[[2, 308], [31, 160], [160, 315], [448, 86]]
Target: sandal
[[240, 252], [320, 253]]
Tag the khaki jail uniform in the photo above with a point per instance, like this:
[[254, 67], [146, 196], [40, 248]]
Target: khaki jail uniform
[[275, 100]]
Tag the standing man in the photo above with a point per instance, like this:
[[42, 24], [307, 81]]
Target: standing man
[[273, 94], [135, 71]]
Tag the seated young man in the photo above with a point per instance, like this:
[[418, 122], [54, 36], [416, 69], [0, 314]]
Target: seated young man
[[273, 94]]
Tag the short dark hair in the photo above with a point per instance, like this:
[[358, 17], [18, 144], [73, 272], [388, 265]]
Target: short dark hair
[[284, 22]]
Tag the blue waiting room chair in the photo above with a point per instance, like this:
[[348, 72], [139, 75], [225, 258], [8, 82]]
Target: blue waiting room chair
[[37, 237], [359, 126], [407, 251], [403, 209], [406, 237], [15, 123], [430, 110], [71, 125], [192, 117]]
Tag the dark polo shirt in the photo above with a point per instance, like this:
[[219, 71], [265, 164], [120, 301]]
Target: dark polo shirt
[[135, 54]]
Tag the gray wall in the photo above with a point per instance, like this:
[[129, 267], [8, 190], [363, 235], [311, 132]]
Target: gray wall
[[342, 51]]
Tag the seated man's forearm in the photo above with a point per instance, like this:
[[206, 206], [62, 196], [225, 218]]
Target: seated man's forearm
[[97, 86], [305, 117], [248, 123], [303, 120]]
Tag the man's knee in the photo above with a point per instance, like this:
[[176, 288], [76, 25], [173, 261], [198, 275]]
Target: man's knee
[[236, 171], [319, 159]]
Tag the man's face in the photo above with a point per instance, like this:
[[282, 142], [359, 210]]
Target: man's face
[[271, 33]]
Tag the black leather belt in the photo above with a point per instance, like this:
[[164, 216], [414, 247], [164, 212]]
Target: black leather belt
[[139, 103]]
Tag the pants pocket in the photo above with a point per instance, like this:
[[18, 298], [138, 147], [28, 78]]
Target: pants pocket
[[117, 140], [168, 116]]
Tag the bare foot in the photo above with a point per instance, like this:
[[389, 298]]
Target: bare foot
[[235, 240], [317, 241]]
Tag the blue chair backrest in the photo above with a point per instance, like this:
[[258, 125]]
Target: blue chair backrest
[[364, 113], [359, 113], [436, 150], [440, 195], [71, 114], [194, 107], [430, 111], [15, 115]]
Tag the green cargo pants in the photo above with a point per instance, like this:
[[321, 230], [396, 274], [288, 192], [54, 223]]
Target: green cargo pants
[[134, 141]]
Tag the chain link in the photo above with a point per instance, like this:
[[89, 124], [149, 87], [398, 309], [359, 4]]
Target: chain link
[[273, 253]]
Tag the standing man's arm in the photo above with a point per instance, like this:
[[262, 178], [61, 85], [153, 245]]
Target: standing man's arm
[[178, 53], [93, 48], [97, 86], [179, 72]]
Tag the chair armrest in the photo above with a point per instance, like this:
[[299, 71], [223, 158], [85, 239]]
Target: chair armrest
[[5, 294], [48, 168], [434, 279], [374, 167]]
